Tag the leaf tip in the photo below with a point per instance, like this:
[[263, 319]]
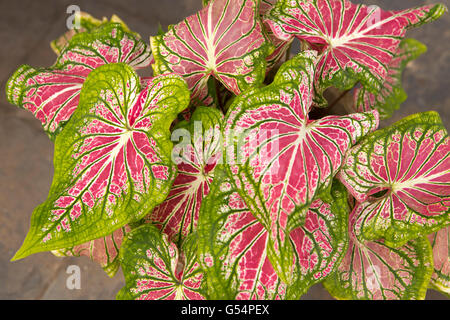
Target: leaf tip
[[20, 254]]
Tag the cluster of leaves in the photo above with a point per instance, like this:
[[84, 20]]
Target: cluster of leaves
[[258, 199]]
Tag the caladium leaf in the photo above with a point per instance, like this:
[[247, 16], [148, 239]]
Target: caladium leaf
[[104, 251], [371, 270], [83, 22], [280, 46], [225, 39], [440, 242], [400, 176], [391, 95], [281, 159], [232, 247], [356, 42], [52, 94], [196, 160], [155, 269], [112, 161], [320, 244]]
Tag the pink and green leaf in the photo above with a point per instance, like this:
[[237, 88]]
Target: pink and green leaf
[[113, 160], [391, 95], [224, 40], [279, 158], [321, 243], [104, 251], [371, 270], [52, 94], [196, 160], [400, 176], [440, 242], [156, 269], [356, 42], [281, 51], [232, 247]]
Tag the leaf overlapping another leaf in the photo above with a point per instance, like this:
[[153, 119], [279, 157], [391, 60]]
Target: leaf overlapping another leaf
[[356, 42], [155, 269], [371, 270], [104, 251], [281, 160], [400, 176], [196, 161], [389, 98], [83, 22], [233, 246], [223, 40], [440, 242], [113, 160], [52, 94]]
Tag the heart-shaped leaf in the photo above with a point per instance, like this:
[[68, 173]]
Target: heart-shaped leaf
[[224, 39], [401, 177], [104, 251], [52, 94], [196, 156], [112, 161], [155, 269], [356, 42], [391, 95], [280, 158], [371, 270], [440, 242]]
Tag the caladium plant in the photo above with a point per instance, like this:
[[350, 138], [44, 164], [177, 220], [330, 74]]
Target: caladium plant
[[213, 180]]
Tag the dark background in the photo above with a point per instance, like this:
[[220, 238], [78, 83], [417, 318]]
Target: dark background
[[26, 153]]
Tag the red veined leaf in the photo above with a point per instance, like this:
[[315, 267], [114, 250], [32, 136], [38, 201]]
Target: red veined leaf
[[356, 42], [280, 158], [104, 251], [196, 157], [371, 270], [440, 242], [112, 161], [281, 46], [155, 269], [52, 94], [389, 98], [401, 177], [320, 244], [224, 39], [232, 247]]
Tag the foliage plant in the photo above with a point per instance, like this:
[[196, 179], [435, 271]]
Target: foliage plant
[[216, 179]]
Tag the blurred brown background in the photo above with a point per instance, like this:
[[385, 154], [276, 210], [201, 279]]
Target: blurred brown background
[[26, 170]]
